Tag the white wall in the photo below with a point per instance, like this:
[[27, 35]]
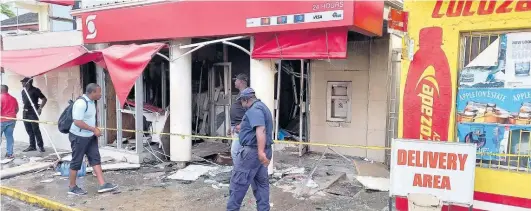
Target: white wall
[[43, 40], [58, 86], [369, 99]]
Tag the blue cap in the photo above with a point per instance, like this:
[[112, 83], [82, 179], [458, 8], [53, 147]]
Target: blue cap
[[246, 93]]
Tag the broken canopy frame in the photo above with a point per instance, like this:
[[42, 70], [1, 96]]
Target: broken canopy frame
[[125, 63]]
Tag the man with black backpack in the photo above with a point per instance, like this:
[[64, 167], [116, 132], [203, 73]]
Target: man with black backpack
[[83, 135]]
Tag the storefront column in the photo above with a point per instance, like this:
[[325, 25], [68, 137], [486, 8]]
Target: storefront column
[[263, 83], [180, 101]]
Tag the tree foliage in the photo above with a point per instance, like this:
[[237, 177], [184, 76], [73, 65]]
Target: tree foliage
[[6, 10]]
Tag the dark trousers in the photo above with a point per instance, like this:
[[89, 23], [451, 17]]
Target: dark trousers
[[33, 130], [248, 171], [82, 146]]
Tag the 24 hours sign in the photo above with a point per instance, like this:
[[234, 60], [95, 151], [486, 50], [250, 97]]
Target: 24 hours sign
[[442, 169]]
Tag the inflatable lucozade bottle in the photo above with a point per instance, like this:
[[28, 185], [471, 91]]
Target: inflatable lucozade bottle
[[427, 101]]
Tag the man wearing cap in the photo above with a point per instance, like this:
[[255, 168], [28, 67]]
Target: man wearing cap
[[32, 128], [256, 138], [236, 114]]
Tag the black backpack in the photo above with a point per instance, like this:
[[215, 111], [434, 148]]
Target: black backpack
[[65, 120]]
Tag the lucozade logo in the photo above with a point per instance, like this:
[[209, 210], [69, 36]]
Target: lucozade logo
[[428, 88], [427, 96], [92, 32]]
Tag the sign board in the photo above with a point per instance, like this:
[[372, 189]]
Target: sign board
[[443, 169], [397, 20]]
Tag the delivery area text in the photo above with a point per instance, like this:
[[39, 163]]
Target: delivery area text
[[432, 160]]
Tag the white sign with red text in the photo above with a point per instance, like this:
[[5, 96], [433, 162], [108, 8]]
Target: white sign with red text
[[443, 169]]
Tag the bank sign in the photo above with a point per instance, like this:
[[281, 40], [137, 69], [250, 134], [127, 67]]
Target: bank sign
[[186, 19]]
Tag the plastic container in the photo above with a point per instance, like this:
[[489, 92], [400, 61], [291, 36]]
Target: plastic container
[[64, 169]]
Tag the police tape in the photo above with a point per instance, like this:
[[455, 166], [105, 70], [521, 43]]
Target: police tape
[[312, 143]]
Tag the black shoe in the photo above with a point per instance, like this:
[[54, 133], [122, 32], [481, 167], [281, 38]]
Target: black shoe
[[29, 149], [41, 149]]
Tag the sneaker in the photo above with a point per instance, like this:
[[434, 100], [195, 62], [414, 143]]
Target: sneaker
[[29, 149], [41, 149], [107, 187], [76, 191], [10, 156]]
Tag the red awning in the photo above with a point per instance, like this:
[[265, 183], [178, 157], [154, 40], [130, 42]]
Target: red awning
[[35, 62], [125, 63], [328, 43]]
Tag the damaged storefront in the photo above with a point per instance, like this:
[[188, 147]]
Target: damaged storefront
[[314, 63]]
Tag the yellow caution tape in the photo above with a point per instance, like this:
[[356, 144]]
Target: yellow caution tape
[[313, 143]]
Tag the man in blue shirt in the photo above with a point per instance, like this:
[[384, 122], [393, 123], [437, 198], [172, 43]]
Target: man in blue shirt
[[237, 111], [256, 138], [84, 140]]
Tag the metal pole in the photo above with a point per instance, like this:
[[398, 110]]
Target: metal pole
[[307, 103], [119, 133], [163, 84], [390, 203], [301, 92], [39, 118], [277, 108], [139, 114]]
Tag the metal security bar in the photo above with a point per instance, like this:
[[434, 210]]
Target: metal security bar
[[518, 150]]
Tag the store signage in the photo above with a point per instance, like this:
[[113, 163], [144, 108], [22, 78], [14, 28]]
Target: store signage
[[92, 31], [443, 169], [457, 8], [328, 6], [312, 17], [397, 20]]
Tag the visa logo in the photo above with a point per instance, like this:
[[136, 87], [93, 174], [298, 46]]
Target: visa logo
[[317, 17]]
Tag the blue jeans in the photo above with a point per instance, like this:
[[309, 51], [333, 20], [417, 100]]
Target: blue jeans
[[249, 171], [235, 145], [7, 130]]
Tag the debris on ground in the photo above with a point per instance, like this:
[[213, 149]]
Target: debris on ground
[[117, 166], [372, 175], [208, 149], [191, 172], [47, 181], [7, 160], [24, 168], [294, 170], [374, 183]]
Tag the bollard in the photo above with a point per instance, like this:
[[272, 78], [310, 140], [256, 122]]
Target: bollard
[[423, 202]]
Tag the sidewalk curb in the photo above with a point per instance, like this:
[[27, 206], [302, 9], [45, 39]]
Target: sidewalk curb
[[33, 199]]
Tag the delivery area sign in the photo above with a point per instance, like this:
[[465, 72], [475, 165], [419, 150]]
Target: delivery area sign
[[442, 169]]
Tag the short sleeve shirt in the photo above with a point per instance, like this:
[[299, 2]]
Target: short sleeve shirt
[[237, 111], [257, 115], [35, 94], [8, 107], [80, 111]]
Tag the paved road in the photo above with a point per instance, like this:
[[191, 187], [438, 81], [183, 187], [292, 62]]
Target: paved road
[[15, 205]]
